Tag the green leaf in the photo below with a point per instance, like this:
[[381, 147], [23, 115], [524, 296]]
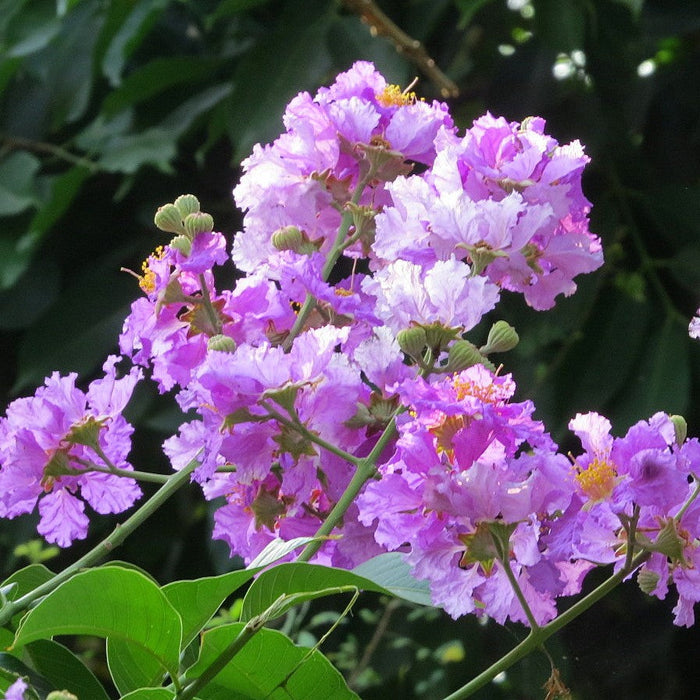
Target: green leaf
[[17, 183], [128, 153], [197, 601], [156, 77], [27, 579], [130, 668], [109, 602], [391, 571], [150, 694], [31, 30], [269, 666], [277, 549], [133, 28], [63, 669], [387, 574]]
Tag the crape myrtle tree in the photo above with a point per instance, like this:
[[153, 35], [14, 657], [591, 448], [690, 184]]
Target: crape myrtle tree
[[434, 370]]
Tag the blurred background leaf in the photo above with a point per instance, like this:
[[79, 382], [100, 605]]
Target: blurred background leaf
[[110, 108]]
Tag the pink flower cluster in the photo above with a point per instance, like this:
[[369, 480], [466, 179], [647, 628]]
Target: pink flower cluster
[[295, 376], [63, 442]]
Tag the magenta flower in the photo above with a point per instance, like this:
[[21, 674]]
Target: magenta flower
[[63, 442]]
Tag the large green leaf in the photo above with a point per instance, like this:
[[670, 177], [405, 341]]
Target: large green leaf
[[197, 601], [27, 579], [17, 184], [126, 32], [129, 667], [387, 574], [269, 666], [149, 694], [391, 571], [109, 602], [63, 669]]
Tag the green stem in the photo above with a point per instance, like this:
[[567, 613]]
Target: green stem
[[104, 548], [519, 594], [312, 437], [251, 628], [133, 474], [538, 636], [209, 308], [332, 259], [366, 470]]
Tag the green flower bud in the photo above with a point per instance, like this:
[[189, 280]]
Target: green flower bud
[[680, 427], [61, 695], [221, 343], [462, 354], [198, 222], [439, 336], [648, 581], [187, 204], [412, 341], [288, 238], [502, 337], [168, 218], [183, 244]]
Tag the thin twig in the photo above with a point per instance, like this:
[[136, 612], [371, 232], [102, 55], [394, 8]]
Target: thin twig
[[381, 25]]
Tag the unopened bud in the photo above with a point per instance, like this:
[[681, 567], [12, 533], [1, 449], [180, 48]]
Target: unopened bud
[[462, 354], [61, 695], [288, 238], [680, 428], [168, 218], [221, 343], [183, 244], [412, 341], [439, 336], [648, 581], [198, 222], [502, 337], [187, 204]]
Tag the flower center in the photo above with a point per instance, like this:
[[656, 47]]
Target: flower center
[[598, 480]]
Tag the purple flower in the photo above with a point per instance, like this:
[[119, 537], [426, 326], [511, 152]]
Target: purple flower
[[333, 140], [506, 197], [16, 690], [51, 444], [694, 326]]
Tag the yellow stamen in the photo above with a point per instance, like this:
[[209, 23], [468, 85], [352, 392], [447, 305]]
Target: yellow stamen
[[598, 480], [147, 281], [393, 96]]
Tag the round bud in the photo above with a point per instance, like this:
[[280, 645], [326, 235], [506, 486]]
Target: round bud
[[187, 204], [648, 581], [221, 343], [288, 238], [168, 218], [462, 354], [61, 695], [183, 244], [502, 337], [198, 222], [412, 341]]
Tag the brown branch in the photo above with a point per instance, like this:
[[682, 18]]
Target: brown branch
[[15, 143], [381, 25]]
